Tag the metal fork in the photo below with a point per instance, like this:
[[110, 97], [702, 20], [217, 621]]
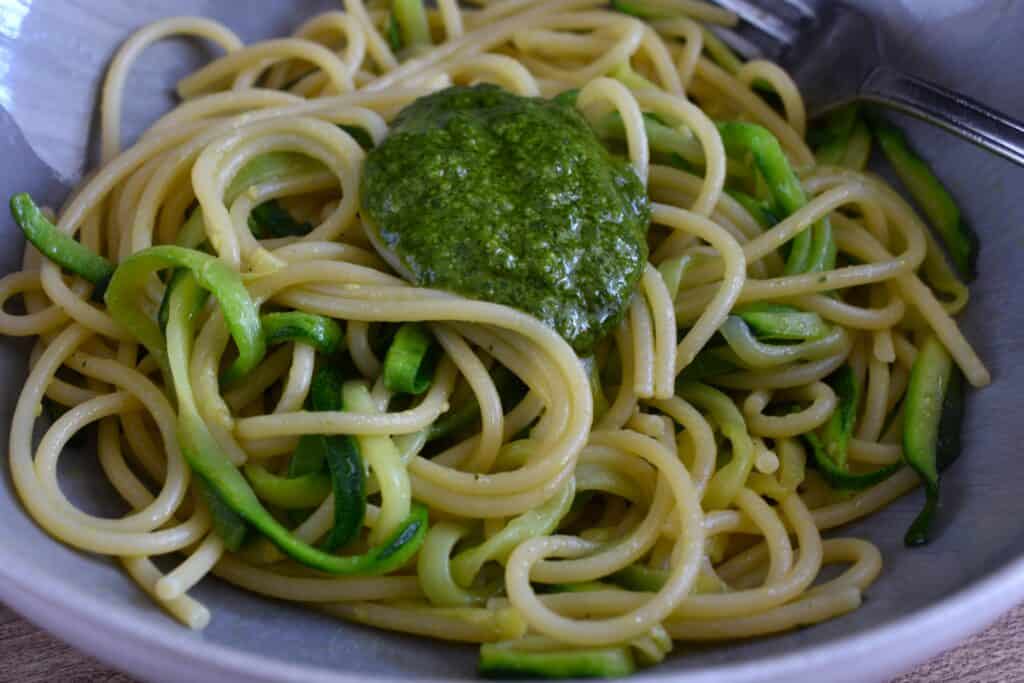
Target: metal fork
[[834, 53]]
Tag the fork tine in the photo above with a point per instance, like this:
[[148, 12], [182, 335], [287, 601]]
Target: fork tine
[[801, 7], [744, 46], [761, 19]]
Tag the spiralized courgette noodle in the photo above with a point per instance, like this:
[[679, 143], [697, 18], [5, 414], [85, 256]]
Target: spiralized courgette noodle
[[706, 486]]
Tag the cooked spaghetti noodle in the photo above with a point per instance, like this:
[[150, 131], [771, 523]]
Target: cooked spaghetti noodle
[[619, 504]]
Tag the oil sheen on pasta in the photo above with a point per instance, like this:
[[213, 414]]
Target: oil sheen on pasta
[[511, 200]]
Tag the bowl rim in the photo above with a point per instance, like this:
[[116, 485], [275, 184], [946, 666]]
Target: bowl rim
[[886, 650]]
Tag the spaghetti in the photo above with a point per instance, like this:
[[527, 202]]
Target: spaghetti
[[673, 486]]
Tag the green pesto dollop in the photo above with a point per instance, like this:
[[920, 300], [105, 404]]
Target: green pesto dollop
[[511, 200]]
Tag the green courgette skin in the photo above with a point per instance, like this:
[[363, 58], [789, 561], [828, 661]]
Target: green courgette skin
[[227, 524], [635, 9], [510, 390], [497, 661], [931, 195], [934, 409], [410, 360], [343, 460], [64, 250], [761, 211], [322, 333], [775, 322], [287, 493], [829, 450], [814, 249], [636, 577], [408, 26], [270, 219], [233, 494], [710, 362], [842, 138]]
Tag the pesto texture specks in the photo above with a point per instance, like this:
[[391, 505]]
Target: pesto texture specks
[[511, 200]]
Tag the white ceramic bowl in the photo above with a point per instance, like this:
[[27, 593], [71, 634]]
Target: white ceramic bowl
[[52, 53]]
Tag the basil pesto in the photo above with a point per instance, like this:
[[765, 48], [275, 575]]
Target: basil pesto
[[511, 200]]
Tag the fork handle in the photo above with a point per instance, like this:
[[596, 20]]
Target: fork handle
[[956, 113]]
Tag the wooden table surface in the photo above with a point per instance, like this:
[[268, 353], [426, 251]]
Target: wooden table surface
[[28, 655]]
